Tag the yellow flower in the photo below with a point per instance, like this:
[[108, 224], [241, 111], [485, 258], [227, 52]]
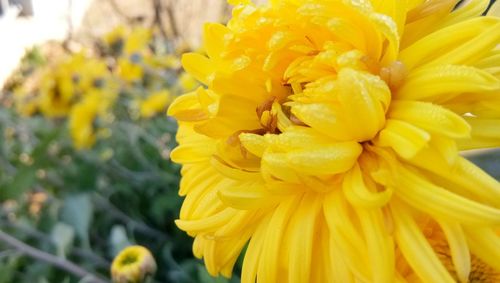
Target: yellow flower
[[132, 265], [127, 40], [155, 103], [65, 83], [328, 138], [187, 82], [83, 119], [115, 39], [137, 40], [129, 71]]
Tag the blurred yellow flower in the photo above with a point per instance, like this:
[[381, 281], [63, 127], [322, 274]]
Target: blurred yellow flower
[[115, 39], [127, 40], [62, 85], [328, 139], [83, 119], [188, 82], [132, 265], [155, 103], [137, 40], [129, 70], [168, 61]]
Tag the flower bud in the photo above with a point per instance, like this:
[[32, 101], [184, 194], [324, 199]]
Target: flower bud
[[132, 265]]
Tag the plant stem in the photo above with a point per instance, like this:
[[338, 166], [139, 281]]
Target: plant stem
[[50, 259]]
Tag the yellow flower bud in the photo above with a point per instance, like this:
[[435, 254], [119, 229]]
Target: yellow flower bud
[[132, 265]]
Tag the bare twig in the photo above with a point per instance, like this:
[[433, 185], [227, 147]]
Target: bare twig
[[58, 262], [171, 19], [39, 236], [157, 20], [119, 11]]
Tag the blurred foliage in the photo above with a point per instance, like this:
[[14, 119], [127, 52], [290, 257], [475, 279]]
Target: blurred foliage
[[84, 159]]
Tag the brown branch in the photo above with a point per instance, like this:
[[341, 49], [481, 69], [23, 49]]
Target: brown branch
[[119, 11], [157, 20], [171, 19], [58, 262]]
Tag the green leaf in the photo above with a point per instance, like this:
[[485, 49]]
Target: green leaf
[[62, 236], [77, 212]]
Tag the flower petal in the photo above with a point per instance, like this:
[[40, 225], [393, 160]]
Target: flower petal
[[439, 202], [328, 159], [485, 244], [458, 247], [416, 250], [406, 139], [430, 117], [442, 82]]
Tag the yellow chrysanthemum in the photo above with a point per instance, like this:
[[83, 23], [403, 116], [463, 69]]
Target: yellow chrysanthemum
[[137, 40], [83, 119], [65, 83], [127, 40], [130, 71], [155, 103], [188, 82], [327, 141], [115, 39], [132, 265]]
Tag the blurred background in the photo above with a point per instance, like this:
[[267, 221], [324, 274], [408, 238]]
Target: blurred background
[[85, 142]]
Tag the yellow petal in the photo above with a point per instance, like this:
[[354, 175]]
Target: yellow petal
[[345, 239], [233, 172], [255, 144], [472, 50], [485, 244], [438, 44], [302, 230], [389, 29], [466, 10], [254, 250], [234, 114], [459, 249], [406, 139], [439, 202], [484, 130], [479, 181], [379, 243], [275, 166], [202, 200], [187, 108], [215, 36], [358, 194], [424, 17], [273, 243], [460, 175], [416, 250], [330, 159], [324, 118], [430, 117], [193, 147], [249, 195], [198, 66], [363, 98], [207, 224], [442, 82]]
